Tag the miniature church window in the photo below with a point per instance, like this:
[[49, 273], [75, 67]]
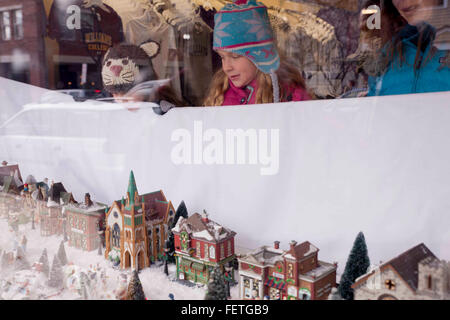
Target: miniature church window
[[430, 282], [116, 236], [390, 284], [205, 251]]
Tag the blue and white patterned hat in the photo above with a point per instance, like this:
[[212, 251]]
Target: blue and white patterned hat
[[243, 27]]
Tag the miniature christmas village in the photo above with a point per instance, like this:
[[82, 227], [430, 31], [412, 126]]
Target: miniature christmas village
[[140, 240]]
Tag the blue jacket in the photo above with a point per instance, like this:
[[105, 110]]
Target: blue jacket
[[432, 76]]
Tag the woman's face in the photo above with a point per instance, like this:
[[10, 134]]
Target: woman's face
[[239, 69], [412, 10]]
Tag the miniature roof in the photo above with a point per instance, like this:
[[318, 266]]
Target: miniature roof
[[199, 229], [132, 189], [406, 265], [30, 180], [67, 197], [10, 183], [155, 205], [56, 191], [302, 250], [264, 255], [5, 171]]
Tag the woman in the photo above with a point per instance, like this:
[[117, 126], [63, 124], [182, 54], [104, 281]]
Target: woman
[[407, 62]]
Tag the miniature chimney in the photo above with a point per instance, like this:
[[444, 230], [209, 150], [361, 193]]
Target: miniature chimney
[[87, 200], [4, 163], [205, 216], [276, 244], [293, 243]]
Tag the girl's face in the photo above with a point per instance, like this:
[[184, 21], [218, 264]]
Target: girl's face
[[239, 69], [412, 10]]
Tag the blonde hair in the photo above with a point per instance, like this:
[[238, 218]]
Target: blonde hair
[[287, 76]]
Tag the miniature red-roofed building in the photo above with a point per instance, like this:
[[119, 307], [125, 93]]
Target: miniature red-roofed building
[[416, 274], [137, 227], [200, 245], [278, 274]]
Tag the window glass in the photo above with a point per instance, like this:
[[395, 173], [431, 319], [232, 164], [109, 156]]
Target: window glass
[[336, 49]]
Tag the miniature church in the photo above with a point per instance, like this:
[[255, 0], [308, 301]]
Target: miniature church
[[137, 227]]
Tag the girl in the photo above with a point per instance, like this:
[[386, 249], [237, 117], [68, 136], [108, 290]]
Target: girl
[[407, 62], [251, 68]]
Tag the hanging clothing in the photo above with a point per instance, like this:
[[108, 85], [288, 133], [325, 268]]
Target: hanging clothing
[[194, 43], [142, 23], [91, 33]]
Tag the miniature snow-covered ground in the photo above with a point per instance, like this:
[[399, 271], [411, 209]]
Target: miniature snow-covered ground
[[157, 286]]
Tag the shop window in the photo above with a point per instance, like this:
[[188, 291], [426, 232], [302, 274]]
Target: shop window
[[18, 24], [6, 25]]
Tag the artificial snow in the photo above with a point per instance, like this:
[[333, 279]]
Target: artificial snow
[[32, 284]]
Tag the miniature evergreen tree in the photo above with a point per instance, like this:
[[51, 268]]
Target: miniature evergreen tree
[[181, 212], [62, 254], [44, 261], [56, 274], [357, 264], [217, 289], [21, 262], [135, 290]]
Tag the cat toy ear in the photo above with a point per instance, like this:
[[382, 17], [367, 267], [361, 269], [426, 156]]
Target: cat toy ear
[[151, 48]]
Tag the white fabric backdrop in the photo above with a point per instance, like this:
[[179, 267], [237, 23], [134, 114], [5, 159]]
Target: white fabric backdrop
[[377, 165]]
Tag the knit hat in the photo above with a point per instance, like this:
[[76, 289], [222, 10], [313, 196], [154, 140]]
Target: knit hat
[[243, 27]]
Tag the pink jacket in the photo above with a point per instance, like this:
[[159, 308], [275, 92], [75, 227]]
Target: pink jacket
[[236, 96]]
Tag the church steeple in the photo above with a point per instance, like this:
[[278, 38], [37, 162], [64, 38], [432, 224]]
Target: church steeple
[[132, 189]]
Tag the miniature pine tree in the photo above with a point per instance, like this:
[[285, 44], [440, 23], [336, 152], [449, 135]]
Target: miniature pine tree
[[56, 274], [135, 290], [62, 254], [21, 262], [181, 212], [357, 264], [44, 261], [217, 289]]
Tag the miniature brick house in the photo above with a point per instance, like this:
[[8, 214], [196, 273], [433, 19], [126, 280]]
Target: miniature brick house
[[137, 227], [278, 274], [84, 221], [51, 215], [200, 245], [414, 275]]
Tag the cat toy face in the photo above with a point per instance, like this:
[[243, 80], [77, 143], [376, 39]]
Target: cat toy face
[[120, 72], [126, 65]]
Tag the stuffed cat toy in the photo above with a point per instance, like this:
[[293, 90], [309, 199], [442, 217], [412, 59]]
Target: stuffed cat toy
[[126, 65]]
